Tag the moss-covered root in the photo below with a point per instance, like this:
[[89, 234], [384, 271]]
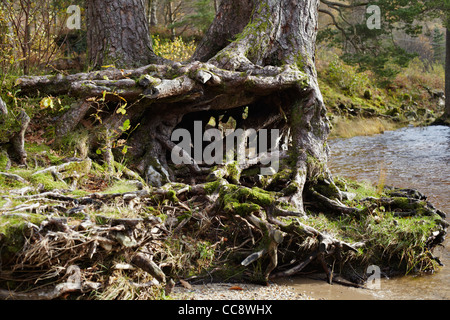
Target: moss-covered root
[[261, 209]]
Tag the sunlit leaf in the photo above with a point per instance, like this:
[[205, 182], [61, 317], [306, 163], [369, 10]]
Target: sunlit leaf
[[126, 125], [46, 103]]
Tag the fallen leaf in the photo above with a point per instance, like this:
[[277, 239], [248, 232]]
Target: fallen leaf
[[185, 284], [236, 288]]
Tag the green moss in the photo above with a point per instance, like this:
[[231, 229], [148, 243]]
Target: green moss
[[291, 189], [241, 209], [81, 168], [120, 187], [326, 188], [7, 183], [420, 207], [48, 181], [172, 196], [12, 229], [3, 160], [212, 187], [257, 195], [233, 172], [243, 201], [74, 143]]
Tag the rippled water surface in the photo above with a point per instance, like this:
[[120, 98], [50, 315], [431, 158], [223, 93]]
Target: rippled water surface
[[412, 158], [417, 158]]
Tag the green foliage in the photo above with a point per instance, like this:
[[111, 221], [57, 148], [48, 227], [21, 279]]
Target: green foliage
[[176, 50], [345, 77], [378, 49], [201, 19], [438, 46], [385, 65]]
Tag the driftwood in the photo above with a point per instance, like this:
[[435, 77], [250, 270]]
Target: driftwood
[[73, 284]]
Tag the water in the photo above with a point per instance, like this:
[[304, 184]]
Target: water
[[417, 158]]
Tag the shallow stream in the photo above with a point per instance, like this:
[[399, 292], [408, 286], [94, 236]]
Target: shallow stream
[[417, 158]]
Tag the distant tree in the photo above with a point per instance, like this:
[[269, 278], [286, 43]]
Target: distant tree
[[201, 18], [373, 48], [152, 12], [438, 45], [367, 46], [441, 9]]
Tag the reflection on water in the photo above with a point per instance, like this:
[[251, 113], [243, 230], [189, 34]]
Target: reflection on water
[[415, 158]]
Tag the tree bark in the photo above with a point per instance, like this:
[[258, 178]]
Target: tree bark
[[153, 4], [231, 19], [118, 33]]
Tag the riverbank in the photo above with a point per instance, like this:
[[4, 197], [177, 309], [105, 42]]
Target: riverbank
[[413, 157], [105, 215], [237, 291], [359, 103], [423, 146], [90, 225]]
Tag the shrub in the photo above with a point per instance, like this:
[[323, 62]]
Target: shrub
[[176, 50]]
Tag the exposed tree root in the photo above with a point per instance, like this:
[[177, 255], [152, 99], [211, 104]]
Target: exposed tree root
[[247, 225]]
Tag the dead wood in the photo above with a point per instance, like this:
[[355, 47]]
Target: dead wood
[[146, 264], [14, 177], [73, 284]]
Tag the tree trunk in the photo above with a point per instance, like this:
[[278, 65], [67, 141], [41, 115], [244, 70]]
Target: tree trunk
[[118, 33], [153, 12], [216, 5], [231, 19], [170, 18]]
